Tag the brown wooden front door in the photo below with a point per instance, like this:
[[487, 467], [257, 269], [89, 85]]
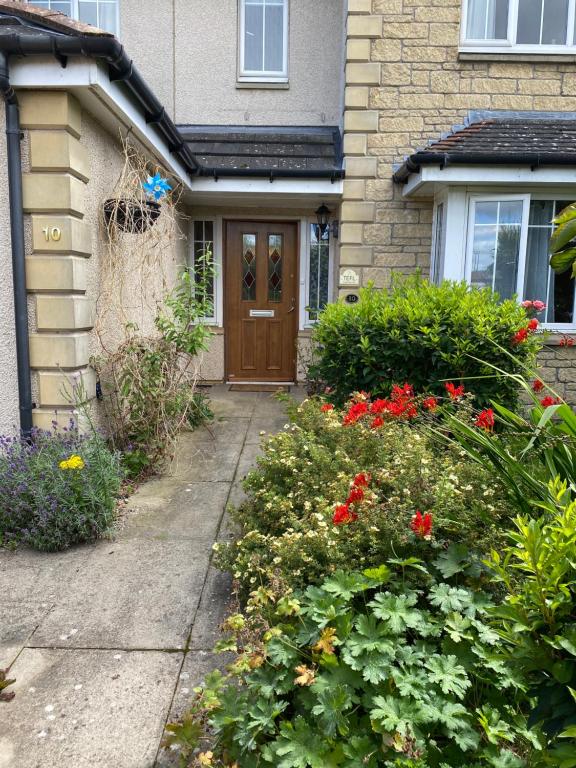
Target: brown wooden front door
[[260, 297]]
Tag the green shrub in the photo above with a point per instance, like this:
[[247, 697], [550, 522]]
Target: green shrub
[[58, 489], [366, 670], [538, 617], [287, 524], [424, 334]]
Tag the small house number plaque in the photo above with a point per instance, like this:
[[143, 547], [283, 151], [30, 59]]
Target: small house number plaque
[[351, 298]]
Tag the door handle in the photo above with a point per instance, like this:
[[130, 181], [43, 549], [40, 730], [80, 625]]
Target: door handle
[[293, 307]]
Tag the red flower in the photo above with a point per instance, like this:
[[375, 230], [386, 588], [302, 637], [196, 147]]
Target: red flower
[[422, 524], [377, 422], [327, 407], [342, 515], [533, 324], [537, 385], [549, 400], [356, 494], [454, 391], [566, 341], [401, 393], [538, 305], [430, 403], [355, 412], [485, 419], [520, 336], [362, 480], [379, 406]]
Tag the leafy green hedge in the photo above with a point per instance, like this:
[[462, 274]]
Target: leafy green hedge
[[424, 334]]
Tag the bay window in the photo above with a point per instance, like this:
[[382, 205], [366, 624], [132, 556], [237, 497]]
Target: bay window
[[531, 26], [99, 13], [264, 40], [503, 245]]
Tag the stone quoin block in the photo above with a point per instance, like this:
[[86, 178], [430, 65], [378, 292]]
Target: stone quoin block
[[64, 313], [59, 350], [50, 109], [60, 389], [361, 167], [355, 144], [56, 273], [53, 192], [60, 234], [365, 26], [58, 151], [363, 74]]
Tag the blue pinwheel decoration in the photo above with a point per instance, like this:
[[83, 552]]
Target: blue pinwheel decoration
[[156, 187]]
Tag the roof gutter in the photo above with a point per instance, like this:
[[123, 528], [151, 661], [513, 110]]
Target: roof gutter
[[13, 138], [534, 159], [121, 68]]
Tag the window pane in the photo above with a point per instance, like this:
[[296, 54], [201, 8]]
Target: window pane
[[529, 21], [248, 267], [438, 266], [540, 281], [275, 268], [487, 20], [496, 245], [274, 39], [204, 262], [254, 38], [88, 13], [107, 17], [555, 22], [318, 284]]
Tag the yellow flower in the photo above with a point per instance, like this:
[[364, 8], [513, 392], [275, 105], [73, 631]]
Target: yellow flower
[[205, 758], [74, 462]]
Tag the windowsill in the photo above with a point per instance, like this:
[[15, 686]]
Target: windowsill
[[269, 85], [554, 338], [511, 54]]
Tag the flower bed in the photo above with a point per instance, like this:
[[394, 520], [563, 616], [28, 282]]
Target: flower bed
[[57, 489]]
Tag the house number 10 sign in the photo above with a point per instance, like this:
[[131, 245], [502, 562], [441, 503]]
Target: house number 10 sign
[[52, 233]]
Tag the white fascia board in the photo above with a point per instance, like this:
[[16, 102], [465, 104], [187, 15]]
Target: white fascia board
[[109, 102], [431, 177], [246, 189]]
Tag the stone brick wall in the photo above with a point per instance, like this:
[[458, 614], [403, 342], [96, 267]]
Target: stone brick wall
[[406, 84]]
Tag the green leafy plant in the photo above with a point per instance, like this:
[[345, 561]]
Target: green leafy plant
[[538, 618], [306, 473], [425, 334], [563, 241], [57, 489], [367, 670], [5, 683]]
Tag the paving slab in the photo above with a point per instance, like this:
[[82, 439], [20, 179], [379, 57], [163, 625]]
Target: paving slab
[[205, 462], [18, 623], [136, 594], [87, 709], [26, 575], [222, 429], [187, 511], [262, 428], [214, 607]]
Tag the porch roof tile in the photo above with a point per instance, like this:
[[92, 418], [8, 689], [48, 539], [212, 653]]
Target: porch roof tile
[[264, 148]]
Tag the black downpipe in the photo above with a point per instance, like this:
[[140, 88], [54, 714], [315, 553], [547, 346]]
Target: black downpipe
[[13, 138]]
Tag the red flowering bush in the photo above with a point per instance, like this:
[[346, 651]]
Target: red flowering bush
[[333, 491]]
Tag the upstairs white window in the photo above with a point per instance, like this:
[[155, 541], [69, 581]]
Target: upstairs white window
[[522, 26], [264, 40], [103, 14]]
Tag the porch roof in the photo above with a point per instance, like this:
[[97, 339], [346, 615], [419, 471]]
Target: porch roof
[[277, 150], [533, 140]]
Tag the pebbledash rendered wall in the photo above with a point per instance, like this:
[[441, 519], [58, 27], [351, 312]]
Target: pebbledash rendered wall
[[70, 166], [406, 83], [9, 417], [195, 64]]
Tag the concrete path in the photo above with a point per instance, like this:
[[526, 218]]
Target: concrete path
[[106, 642]]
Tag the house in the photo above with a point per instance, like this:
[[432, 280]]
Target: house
[[318, 145]]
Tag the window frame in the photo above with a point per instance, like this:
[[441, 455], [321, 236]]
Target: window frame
[[253, 76], [457, 254], [217, 317], [306, 322], [509, 45], [75, 13]]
